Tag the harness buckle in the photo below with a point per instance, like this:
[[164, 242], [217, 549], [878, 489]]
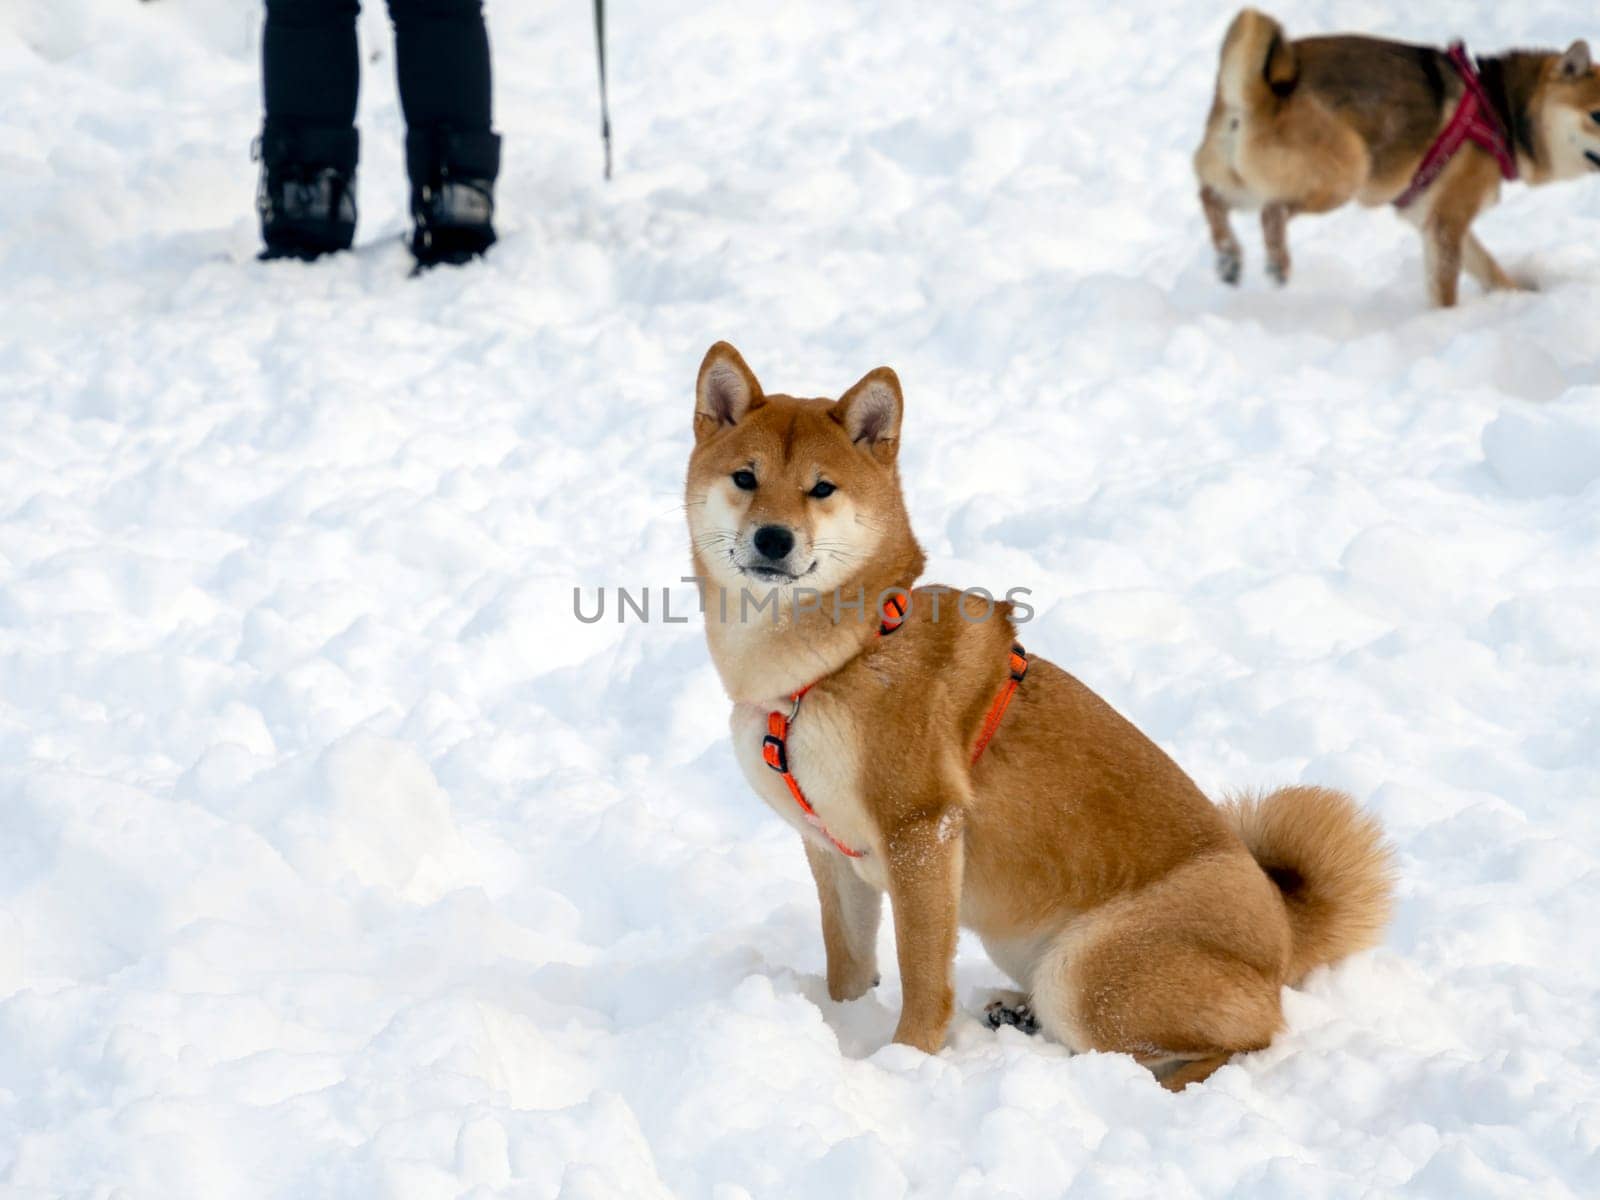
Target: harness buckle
[[1019, 661], [893, 613], [775, 753]]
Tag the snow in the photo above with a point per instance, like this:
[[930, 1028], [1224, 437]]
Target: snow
[[338, 858]]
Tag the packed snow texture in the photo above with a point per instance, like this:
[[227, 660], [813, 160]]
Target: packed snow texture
[[337, 858]]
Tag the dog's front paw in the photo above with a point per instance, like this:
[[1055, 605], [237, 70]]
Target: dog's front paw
[[1278, 271], [1018, 1014], [851, 984], [927, 1036]]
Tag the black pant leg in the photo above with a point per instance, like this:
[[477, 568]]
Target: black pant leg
[[310, 67], [442, 59]]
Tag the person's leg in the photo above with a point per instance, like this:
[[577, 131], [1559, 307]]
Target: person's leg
[[442, 60], [310, 66], [310, 72], [452, 154]]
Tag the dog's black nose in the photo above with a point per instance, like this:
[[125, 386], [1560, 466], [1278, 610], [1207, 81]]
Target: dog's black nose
[[774, 542]]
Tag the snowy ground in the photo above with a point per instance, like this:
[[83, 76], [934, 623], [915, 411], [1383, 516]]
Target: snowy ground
[[338, 859]]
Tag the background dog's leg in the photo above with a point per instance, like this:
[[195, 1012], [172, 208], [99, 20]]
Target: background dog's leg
[[1480, 264], [1442, 252], [1229, 257], [851, 911], [1275, 233], [924, 860]]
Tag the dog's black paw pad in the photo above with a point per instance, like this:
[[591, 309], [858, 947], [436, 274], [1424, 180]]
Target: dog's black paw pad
[[1229, 266], [1018, 1016]]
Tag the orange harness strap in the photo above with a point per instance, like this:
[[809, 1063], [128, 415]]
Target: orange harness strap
[[997, 710], [775, 746]]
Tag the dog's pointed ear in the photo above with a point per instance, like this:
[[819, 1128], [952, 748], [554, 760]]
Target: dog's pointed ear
[[1576, 62], [870, 413], [725, 392]]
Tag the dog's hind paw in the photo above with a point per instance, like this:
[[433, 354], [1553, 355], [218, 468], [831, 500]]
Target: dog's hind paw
[[1018, 1014], [1278, 271], [1230, 266]]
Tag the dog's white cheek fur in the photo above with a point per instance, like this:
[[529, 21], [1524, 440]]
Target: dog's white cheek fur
[[842, 544], [1569, 133], [717, 515]]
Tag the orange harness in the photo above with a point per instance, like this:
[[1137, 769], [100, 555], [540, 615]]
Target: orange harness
[[775, 746]]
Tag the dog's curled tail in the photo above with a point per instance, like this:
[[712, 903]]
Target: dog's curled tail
[[1258, 62], [1330, 863]]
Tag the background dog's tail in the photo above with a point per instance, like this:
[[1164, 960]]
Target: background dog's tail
[[1258, 62], [1331, 864]]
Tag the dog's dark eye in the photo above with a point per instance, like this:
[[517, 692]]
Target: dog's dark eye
[[745, 480], [1595, 116], [823, 490]]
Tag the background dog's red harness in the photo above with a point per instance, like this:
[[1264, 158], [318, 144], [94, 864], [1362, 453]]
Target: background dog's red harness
[[775, 746], [1474, 120]]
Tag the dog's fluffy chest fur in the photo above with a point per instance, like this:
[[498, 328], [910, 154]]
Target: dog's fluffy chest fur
[[825, 757]]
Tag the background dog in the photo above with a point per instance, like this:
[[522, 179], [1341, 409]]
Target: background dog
[[1310, 125]]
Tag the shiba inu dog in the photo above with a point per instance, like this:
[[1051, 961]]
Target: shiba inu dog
[[921, 754], [1307, 126]]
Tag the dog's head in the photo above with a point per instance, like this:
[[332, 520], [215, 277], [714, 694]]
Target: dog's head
[[793, 493], [1565, 114]]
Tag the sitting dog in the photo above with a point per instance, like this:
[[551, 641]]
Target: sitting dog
[[921, 753], [1308, 126]]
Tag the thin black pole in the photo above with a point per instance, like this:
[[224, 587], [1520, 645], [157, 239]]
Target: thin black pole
[[605, 105]]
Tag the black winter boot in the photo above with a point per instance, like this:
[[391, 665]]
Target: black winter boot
[[307, 193], [452, 194]]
